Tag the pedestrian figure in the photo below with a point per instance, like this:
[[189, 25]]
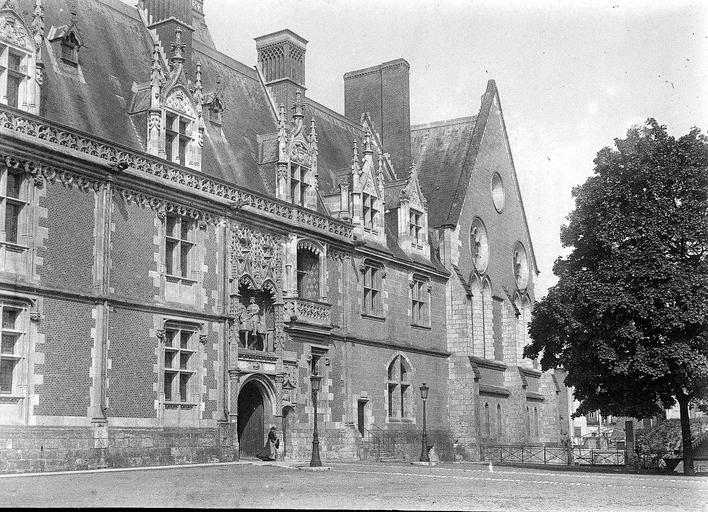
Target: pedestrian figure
[[272, 444]]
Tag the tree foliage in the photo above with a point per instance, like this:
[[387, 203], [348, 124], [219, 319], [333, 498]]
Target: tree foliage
[[628, 317]]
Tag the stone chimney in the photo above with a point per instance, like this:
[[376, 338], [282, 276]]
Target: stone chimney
[[383, 91], [165, 16], [281, 58]]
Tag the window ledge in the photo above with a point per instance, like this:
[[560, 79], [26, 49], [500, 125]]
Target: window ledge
[[10, 398], [14, 246], [178, 279], [373, 317], [184, 405], [400, 420], [420, 326]]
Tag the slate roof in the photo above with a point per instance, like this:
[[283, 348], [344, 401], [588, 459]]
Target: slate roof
[[113, 78], [439, 150], [116, 55], [108, 94]]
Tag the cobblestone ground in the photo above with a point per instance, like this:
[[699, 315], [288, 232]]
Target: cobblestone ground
[[359, 486]]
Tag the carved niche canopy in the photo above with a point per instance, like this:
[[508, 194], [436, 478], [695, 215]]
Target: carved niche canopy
[[256, 254], [178, 101], [300, 154], [13, 31]]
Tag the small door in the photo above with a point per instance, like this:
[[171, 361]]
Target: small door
[[361, 408], [250, 420]]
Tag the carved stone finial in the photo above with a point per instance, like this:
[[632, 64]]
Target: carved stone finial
[[368, 150], [355, 157], [198, 92], [313, 134], [156, 69], [38, 27], [177, 47], [10, 4]]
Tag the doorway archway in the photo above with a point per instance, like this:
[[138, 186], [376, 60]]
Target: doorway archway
[[252, 416]]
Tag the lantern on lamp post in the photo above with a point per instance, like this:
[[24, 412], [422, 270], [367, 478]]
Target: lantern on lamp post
[[424, 457], [315, 460]]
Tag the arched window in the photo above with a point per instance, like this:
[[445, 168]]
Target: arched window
[[500, 428], [399, 383], [487, 326], [308, 274]]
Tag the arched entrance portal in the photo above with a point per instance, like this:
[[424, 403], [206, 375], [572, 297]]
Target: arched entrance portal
[[252, 417]]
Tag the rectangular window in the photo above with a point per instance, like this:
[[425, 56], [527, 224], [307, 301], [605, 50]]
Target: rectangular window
[[13, 70], [177, 137], [298, 185], [179, 242], [11, 347], [13, 199], [369, 211], [179, 363], [415, 228], [419, 304], [372, 290]]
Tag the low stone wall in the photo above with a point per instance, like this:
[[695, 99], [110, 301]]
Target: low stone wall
[[37, 449]]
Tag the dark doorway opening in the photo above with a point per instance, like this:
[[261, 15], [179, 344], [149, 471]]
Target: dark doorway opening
[[361, 416], [250, 420]]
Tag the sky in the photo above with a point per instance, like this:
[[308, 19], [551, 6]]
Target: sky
[[572, 76]]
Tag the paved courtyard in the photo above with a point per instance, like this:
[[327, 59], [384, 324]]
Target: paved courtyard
[[358, 485]]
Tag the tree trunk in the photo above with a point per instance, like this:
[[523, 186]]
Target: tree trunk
[[686, 435]]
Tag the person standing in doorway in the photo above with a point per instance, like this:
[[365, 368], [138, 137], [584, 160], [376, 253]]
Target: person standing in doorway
[[272, 444]]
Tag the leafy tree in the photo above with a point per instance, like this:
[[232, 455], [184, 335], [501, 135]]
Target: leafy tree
[[628, 318]]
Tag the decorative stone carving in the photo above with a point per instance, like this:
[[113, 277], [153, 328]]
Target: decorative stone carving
[[178, 101], [162, 207], [35, 127], [11, 30], [256, 254]]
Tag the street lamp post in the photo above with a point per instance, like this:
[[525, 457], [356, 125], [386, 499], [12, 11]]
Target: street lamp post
[[315, 461], [424, 457]]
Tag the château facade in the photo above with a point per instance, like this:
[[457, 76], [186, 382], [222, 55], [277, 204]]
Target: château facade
[[186, 239]]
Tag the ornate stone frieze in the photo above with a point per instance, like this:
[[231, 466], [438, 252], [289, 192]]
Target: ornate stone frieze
[[40, 173], [33, 126], [163, 207], [257, 254]]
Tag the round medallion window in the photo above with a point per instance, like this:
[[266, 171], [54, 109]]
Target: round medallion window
[[497, 192], [521, 266], [479, 245]]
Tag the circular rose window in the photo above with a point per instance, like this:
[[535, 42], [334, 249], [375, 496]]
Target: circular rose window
[[497, 192], [479, 245], [521, 266]]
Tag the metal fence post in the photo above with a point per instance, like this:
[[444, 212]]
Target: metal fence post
[[522, 454]]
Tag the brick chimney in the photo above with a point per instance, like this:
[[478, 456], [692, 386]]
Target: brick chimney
[[281, 58], [383, 91], [165, 16]]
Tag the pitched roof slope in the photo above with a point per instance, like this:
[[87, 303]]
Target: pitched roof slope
[[230, 151], [439, 151], [117, 54], [115, 64]]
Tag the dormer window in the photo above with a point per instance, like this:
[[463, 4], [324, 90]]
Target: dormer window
[[415, 227], [178, 131], [70, 49], [370, 212], [298, 185], [13, 73]]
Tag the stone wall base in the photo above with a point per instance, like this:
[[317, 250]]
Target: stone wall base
[[37, 449]]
